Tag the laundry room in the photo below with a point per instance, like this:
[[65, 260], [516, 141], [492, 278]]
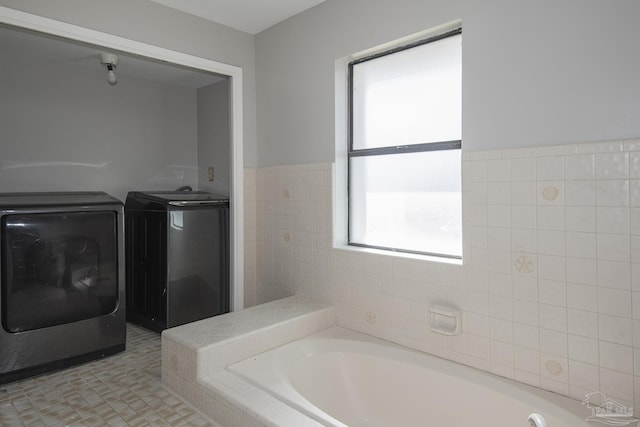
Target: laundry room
[[66, 128], [88, 130]]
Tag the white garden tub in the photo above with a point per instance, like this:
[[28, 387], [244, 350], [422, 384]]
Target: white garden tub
[[340, 377]]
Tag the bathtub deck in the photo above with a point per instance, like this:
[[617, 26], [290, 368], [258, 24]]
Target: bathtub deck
[[195, 355]]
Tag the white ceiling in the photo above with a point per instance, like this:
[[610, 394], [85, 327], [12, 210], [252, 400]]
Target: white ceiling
[[250, 16]]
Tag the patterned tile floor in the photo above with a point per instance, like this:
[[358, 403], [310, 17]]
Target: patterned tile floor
[[120, 390]]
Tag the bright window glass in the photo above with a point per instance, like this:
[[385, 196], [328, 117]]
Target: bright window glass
[[405, 153], [409, 97]]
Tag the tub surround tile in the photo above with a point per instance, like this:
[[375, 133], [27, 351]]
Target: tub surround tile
[[580, 193], [550, 247], [549, 168], [604, 146], [522, 192], [613, 220], [613, 192], [195, 356], [583, 349], [499, 170], [580, 219], [557, 150], [634, 159], [617, 385], [612, 165], [523, 169], [581, 245], [580, 167]]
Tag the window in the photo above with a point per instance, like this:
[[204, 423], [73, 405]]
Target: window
[[404, 155]]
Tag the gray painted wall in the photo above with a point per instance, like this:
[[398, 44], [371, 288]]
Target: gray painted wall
[[534, 72], [214, 122], [158, 25], [64, 128]]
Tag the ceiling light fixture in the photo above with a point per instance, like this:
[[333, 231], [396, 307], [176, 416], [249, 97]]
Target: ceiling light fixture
[[110, 61]]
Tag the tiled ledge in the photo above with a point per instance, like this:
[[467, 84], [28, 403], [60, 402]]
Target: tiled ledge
[[194, 357]]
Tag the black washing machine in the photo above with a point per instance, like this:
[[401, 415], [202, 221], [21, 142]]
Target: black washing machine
[[177, 252]]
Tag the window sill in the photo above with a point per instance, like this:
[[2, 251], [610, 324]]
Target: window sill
[[404, 255]]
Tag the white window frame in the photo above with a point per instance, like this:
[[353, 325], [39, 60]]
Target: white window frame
[[342, 147]]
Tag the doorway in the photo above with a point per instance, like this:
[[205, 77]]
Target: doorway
[[145, 55]]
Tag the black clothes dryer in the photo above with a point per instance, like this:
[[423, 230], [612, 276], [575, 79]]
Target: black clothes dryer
[[62, 280]]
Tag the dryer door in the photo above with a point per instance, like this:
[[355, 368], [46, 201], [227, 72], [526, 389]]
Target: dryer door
[[58, 268]]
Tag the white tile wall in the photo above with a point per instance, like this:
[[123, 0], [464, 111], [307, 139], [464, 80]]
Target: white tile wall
[[549, 286], [194, 356]]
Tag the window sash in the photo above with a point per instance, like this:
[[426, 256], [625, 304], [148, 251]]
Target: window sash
[[351, 83], [403, 149], [389, 150], [355, 201]]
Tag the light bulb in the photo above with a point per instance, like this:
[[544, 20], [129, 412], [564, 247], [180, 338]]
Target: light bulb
[[111, 75]]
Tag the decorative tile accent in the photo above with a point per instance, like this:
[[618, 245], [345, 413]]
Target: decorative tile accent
[[550, 193], [524, 264]]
